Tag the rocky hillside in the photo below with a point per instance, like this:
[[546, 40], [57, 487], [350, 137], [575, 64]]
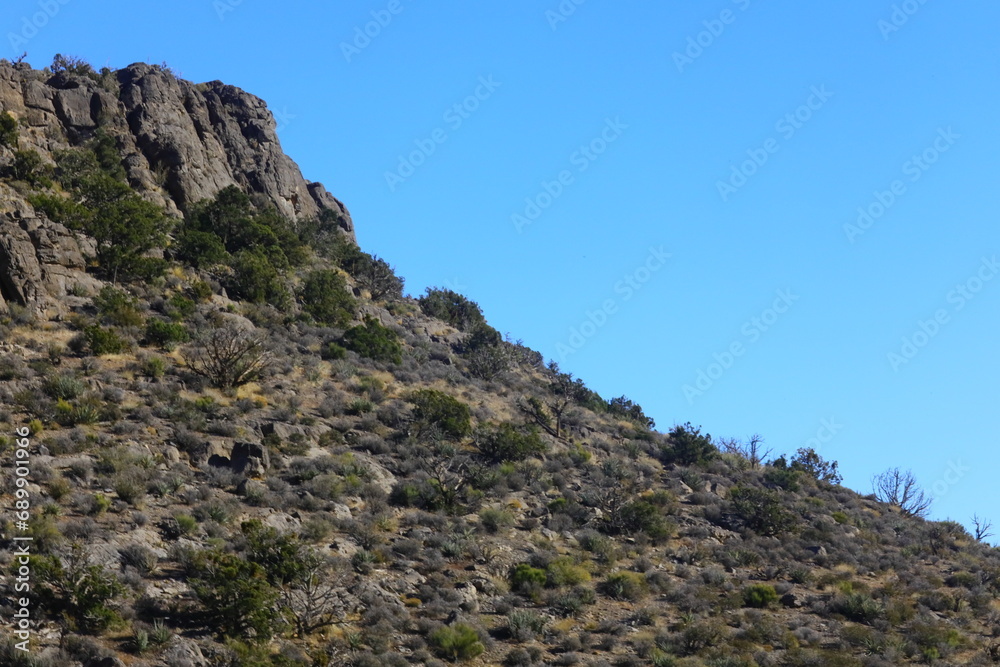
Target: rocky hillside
[[239, 443], [179, 143]]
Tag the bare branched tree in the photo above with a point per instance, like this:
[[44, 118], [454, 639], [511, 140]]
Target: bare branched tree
[[316, 599], [983, 528], [900, 489], [752, 450], [229, 356]]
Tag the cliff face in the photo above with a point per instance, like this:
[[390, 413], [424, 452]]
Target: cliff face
[[180, 142]]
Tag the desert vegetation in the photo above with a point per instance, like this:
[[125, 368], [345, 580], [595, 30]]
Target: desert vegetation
[[254, 449]]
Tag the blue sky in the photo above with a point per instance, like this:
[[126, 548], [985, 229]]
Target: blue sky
[[739, 137]]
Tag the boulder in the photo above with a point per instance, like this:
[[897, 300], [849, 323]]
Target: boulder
[[251, 459], [183, 653]]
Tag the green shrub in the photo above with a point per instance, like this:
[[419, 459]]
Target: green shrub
[[87, 411], [130, 487], [201, 291], [8, 130], [64, 210], [508, 442], [100, 504], [256, 279], [285, 558], [180, 307], [699, 636], [688, 446], [451, 307], [562, 571], [103, 341], [166, 335], [494, 520], [423, 495], [327, 299], [524, 624], [433, 408], [374, 341], [372, 273], [781, 477], [938, 636], [760, 510], [29, 167], [625, 408], [858, 607], [64, 387], [625, 586], [759, 596], [124, 225], [72, 65], [526, 579], [201, 249], [333, 352], [84, 594], [640, 516], [236, 596], [118, 307], [814, 465], [186, 524], [456, 642]]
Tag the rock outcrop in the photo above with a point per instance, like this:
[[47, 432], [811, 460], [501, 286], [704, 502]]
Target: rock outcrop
[[180, 143]]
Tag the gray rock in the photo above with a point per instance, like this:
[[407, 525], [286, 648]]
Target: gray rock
[[183, 653], [21, 276], [180, 143], [250, 458], [791, 600], [283, 523]]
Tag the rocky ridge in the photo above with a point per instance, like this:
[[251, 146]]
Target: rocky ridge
[[180, 143]]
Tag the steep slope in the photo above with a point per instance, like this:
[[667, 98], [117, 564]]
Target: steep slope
[[256, 451]]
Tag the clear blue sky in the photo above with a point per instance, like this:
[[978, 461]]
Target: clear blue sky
[[665, 131]]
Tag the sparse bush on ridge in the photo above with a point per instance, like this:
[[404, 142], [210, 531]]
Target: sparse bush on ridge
[[452, 307], [688, 446], [374, 341]]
